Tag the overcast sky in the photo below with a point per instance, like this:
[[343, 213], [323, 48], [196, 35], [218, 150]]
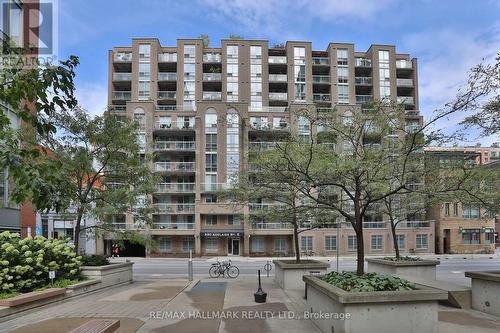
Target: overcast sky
[[447, 36]]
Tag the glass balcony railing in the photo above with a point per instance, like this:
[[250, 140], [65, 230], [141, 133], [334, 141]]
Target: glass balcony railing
[[404, 64], [122, 57], [167, 208], [271, 225], [321, 78], [256, 207], [404, 82], [180, 124], [361, 99], [414, 224], [277, 60], [117, 108], [214, 187], [174, 166], [212, 57], [167, 95], [167, 76], [173, 226], [405, 100], [122, 76], [363, 80], [174, 145], [363, 62], [278, 96], [121, 95], [167, 57], [212, 96], [320, 61], [263, 146], [175, 187], [212, 77], [321, 97], [278, 78]]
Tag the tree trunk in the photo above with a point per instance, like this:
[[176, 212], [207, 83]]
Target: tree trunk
[[76, 236], [360, 268], [296, 239], [395, 239]]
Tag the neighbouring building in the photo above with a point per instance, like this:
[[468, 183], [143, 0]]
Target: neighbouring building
[[201, 111], [464, 227]]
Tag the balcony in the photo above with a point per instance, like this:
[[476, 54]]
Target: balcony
[[212, 58], [117, 108], [174, 146], [263, 146], [320, 61], [167, 57], [271, 225], [277, 60], [174, 166], [122, 76], [407, 100], [362, 99], [180, 125], [278, 78], [174, 208], [167, 95], [321, 98], [175, 188], [321, 79], [404, 82], [363, 62], [173, 226], [126, 226], [214, 187], [212, 77], [412, 113], [363, 81], [374, 225], [122, 95], [403, 64], [212, 96], [278, 96], [258, 207], [414, 224], [167, 76], [122, 57]]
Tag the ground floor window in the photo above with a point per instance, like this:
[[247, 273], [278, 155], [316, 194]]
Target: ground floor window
[[234, 219], [401, 241], [306, 243], [490, 236], [330, 243], [280, 245], [187, 244], [352, 243], [422, 242], [376, 242], [165, 244], [257, 244], [212, 244], [471, 236]]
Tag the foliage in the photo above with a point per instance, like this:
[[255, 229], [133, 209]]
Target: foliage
[[62, 283], [94, 260], [206, 40], [233, 36], [403, 258], [25, 263], [367, 282]]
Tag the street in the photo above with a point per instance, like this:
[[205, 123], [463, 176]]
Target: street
[[451, 269]]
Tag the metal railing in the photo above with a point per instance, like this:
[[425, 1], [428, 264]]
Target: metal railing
[[320, 61], [167, 76], [174, 145], [122, 76], [321, 97], [212, 57], [122, 57], [278, 96], [271, 225], [414, 224], [277, 59], [360, 99], [117, 108], [173, 226], [162, 207], [124, 95], [404, 82], [278, 78], [126, 226], [363, 62], [321, 79], [175, 166], [255, 207], [175, 187], [363, 80], [212, 77], [178, 125], [212, 95], [405, 100], [167, 94], [167, 57]]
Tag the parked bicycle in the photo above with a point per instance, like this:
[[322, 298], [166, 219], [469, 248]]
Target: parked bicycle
[[223, 268]]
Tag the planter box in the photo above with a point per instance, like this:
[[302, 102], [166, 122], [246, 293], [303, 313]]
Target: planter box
[[485, 291], [381, 311], [32, 297], [111, 274], [289, 274], [422, 269]]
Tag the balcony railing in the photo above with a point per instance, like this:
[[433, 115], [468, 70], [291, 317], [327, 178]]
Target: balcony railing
[[263, 146], [175, 187], [361, 99], [122, 57], [167, 76], [173, 226], [212, 77], [256, 207], [122, 76], [167, 57], [174, 145], [278, 78], [126, 226], [412, 112], [167, 94], [271, 225], [321, 97], [363, 62], [278, 96], [117, 108], [212, 95], [174, 207], [277, 60], [414, 224], [374, 225], [405, 100], [175, 166], [268, 109], [321, 78], [320, 61], [404, 82], [214, 187], [212, 57], [404, 64], [363, 81], [179, 125], [121, 95]]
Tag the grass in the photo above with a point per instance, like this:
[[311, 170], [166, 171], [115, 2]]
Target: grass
[[8, 295]]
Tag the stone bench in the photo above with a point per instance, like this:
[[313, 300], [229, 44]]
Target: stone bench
[[98, 326], [32, 297]]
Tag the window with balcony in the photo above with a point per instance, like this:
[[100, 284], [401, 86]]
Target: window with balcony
[[330, 243]]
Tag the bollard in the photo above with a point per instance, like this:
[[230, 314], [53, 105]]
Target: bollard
[[190, 266], [260, 296]]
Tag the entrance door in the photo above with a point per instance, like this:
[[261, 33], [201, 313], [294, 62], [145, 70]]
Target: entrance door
[[233, 246]]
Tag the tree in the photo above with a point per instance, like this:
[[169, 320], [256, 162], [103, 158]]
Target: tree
[[206, 40], [101, 168]]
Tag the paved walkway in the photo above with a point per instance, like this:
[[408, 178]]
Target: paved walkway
[[208, 306]]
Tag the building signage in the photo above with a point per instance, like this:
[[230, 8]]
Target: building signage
[[221, 233]]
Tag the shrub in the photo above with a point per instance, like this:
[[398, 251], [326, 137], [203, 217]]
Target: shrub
[[94, 260], [404, 258], [25, 263], [349, 281]]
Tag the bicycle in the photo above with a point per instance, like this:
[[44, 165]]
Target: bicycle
[[221, 268]]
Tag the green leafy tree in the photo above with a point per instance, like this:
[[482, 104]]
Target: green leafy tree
[[206, 40]]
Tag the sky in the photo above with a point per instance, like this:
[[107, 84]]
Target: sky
[[447, 37]]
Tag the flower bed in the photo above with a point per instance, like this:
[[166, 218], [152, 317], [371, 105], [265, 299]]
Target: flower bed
[[405, 266], [349, 281]]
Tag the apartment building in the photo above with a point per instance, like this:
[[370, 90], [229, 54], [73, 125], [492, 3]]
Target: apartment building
[[464, 227], [203, 110]]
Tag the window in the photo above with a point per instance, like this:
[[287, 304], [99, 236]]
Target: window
[[471, 236], [234, 219], [210, 120], [401, 241], [212, 244], [257, 244], [376, 242], [232, 51], [421, 241], [144, 51], [210, 198], [211, 162], [470, 211], [352, 243], [189, 53], [455, 209], [165, 244], [330, 243], [144, 71], [211, 219], [306, 243], [280, 245], [447, 209], [489, 236], [187, 244], [211, 142], [384, 74], [144, 90]]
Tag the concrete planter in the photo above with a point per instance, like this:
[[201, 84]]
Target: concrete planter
[[111, 274], [289, 274], [422, 269], [485, 291], [381, 311]]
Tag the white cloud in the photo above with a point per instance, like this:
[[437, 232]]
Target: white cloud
[[92, 96]]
